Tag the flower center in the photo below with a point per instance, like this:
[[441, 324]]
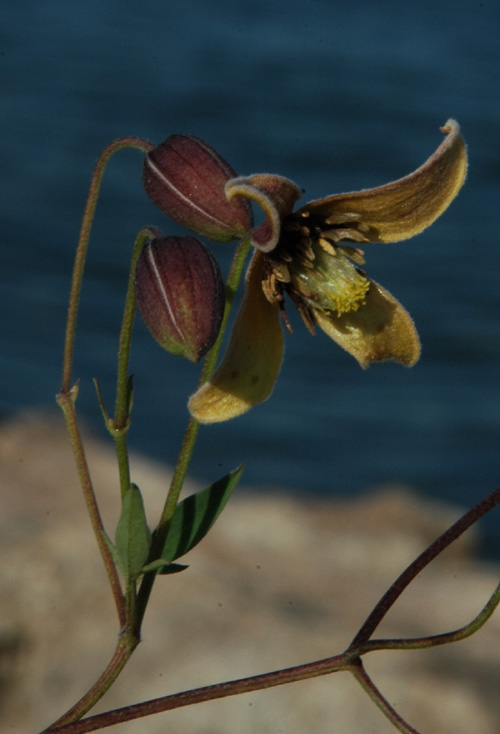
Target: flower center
[[329, 281]]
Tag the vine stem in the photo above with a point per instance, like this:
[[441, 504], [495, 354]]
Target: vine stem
[[380, 701], [81, 251], [66, 401], [120, 658], [206, 693], [66, 398], [423, 560], [349, 661], [420, 643]]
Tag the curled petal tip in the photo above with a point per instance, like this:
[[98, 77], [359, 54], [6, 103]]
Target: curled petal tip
[[450, 126], [276, 196], [403, 208]]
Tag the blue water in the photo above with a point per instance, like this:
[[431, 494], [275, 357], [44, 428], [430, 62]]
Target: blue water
[[335, 95]]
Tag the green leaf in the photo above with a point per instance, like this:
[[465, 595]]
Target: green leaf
[[163, 567], [133, 537], [195, 515], [102, 406], [112, 549]]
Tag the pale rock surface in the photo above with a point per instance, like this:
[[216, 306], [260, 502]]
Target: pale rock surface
[[279, 581]]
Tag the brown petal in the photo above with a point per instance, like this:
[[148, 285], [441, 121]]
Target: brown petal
[[407, 206], [252, 361], [275, 194], [380, 330]]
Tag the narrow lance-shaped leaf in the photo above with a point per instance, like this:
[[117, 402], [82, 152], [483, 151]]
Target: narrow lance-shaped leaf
[[133, 537], [164, 568], [195, 515]]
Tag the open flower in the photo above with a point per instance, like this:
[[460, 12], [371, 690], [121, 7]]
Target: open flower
[[313, 256]]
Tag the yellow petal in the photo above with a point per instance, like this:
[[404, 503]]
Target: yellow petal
[[252, 361], [407, 206], [380, 330]]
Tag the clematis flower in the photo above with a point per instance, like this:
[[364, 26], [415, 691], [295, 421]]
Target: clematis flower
[[312, 256]]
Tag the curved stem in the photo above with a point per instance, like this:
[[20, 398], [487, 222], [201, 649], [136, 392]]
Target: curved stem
[[420, 643], [423, 560], [67, 403], [82, 247], [120, 658], [67, 396], [66, 400]]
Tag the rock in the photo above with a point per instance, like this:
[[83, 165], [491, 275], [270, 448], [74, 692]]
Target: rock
[[279, 581]]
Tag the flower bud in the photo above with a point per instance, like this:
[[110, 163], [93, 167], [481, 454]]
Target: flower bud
[[185, 178], [180, 295]]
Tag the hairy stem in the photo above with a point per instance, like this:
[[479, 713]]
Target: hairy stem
[[207, 693], [66, 400], [420, 643], [423, 560], [67, 403], [82, 247], [380, 701], [349, 661], [120, 658], [118, 427]]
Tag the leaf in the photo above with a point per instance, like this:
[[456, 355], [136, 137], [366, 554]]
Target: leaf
[[112, 549], [100, 400], [163, 567], [195, 515], [133, 537]]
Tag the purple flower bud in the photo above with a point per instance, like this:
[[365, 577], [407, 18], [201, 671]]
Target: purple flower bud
[[185, 178], [180, 295]]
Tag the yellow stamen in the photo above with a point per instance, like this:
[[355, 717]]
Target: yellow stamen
[[333, 284]]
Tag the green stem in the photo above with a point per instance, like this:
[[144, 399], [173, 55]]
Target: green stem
[[421, 643], [191, 433], [67, 396], [67, 403], [82, 247], [133, 606], [118, 427], [66, 400], [380, 701], [121, 656], [423, 560]]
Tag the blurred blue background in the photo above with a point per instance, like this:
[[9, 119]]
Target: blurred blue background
[[336, 96]]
